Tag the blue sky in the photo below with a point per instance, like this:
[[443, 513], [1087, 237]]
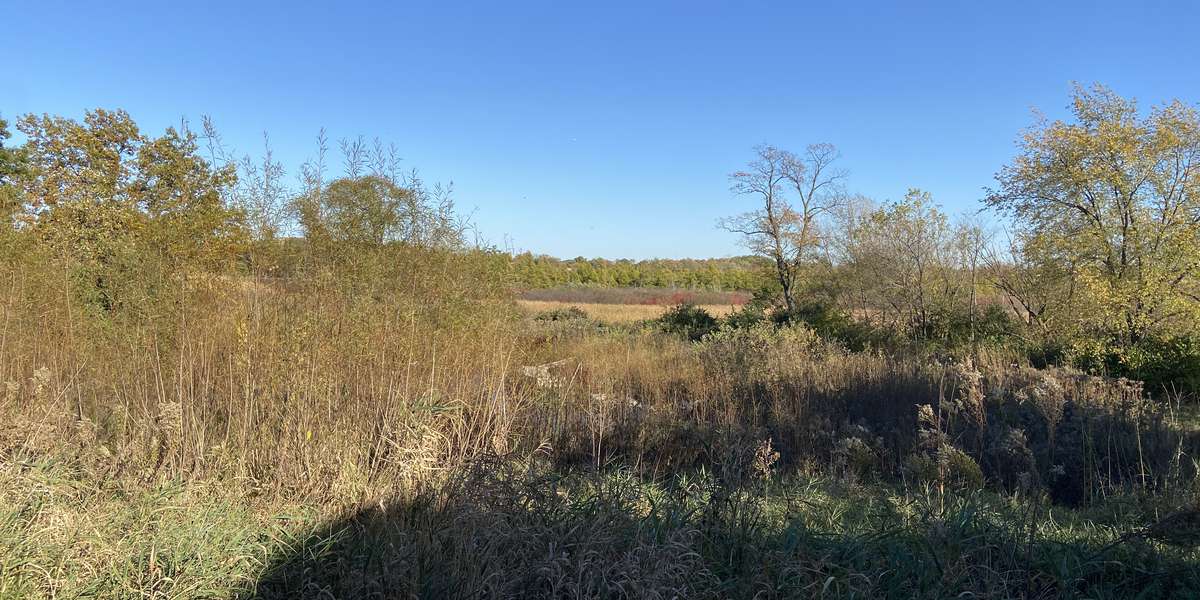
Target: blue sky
[[607, 128]]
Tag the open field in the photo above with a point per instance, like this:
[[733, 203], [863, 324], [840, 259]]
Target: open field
[[617, 313], [634, 295], [196, 405], [756, 463]]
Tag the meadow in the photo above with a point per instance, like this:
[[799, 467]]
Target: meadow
[[248, 446], [216, 386], [645, 296], [615, 313]]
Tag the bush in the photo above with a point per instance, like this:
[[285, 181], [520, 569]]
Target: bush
[[830, 323], [1163, 363], [763, 352], [951, 327], [947, 466], [689, 321], [1048, 353], [570, 313], [993, 326], [745, 318]]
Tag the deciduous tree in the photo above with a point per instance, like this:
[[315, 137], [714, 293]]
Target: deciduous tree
[[794, 193], [910, 262], [113, 201], [1110, 200], [12, 164]]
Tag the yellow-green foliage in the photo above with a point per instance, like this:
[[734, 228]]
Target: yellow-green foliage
[[133, 331], [162, 391], [121, 212], [1108, 201]]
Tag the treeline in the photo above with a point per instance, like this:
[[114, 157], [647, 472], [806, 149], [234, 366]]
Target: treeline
[[716, 274]]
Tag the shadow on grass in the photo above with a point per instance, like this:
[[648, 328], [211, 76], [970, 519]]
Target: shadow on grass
[[496, 533]]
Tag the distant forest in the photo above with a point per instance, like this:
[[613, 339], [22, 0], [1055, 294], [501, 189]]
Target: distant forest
[[718, 274]]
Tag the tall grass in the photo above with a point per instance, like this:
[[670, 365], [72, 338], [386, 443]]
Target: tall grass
[[658, 402], [303, 387], [469, 451], [288, 387], [499, 532]]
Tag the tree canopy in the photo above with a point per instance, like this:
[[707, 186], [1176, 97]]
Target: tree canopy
[[1110, 201], [97, 188]]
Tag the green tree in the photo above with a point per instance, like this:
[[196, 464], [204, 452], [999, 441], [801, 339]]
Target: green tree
[[78, 189], [183, 200], [1110, 203], [12, 165], [357, 210], [117, 204], [373, 210], [906, 258]]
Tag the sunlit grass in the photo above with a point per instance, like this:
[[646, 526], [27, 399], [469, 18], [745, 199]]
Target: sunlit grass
[[617, 313]]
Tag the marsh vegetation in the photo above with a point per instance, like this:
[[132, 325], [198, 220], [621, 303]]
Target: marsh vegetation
[[217, 385]]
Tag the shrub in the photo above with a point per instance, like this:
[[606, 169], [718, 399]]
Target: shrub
[[959, 469], [1163, 363], [762, 352], [992, 325], [831, 323], [562, 323], [689, 321], [947, 466], [952, 327], [1048, 353], [855, 458], [748, 316], [570, 313], [1009, 459]]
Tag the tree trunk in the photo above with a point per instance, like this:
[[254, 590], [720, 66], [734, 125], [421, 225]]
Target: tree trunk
[[785, 282]]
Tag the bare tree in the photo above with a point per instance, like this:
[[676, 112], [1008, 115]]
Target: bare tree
[[817, 186], [795, 193], [973, 242], [1037, 282]]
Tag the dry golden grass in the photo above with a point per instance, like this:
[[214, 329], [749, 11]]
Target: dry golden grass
[[410, 412], [617, 313]]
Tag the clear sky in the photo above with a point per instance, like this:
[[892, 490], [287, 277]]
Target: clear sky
[[607, 128]]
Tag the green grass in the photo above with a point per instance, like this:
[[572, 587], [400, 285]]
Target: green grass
[[63, 535], [504, 530]]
